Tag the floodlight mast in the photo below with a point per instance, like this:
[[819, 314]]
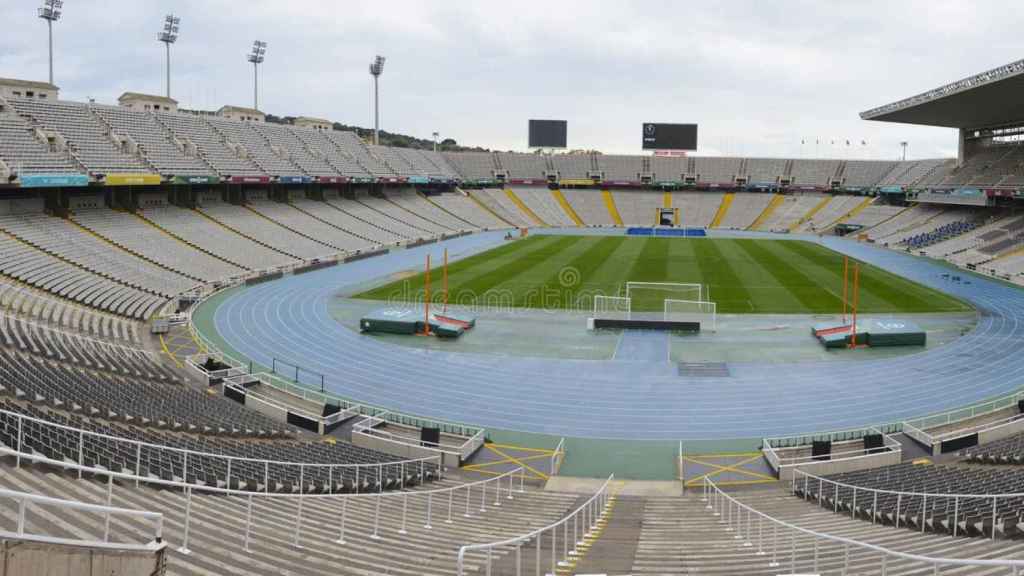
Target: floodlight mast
[[376, 69], [259, 51], [436, 134], [51, 12], [169, 36]]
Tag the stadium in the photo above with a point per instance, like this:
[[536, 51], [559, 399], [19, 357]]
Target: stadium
[[237, 343]]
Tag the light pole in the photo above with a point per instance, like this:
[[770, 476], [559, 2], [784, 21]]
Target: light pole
[[904, 146], [51, 12], [376, 69], [435, 140], [259, 51], [169, 36]]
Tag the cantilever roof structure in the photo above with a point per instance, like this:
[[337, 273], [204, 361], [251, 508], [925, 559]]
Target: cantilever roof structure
[[990, 99]]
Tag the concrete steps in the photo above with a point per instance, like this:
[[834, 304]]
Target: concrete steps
[[614, 551], [682, 536], [217, 527]]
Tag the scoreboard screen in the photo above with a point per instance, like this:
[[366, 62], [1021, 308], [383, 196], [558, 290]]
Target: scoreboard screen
[[548, 133], [669, 136]]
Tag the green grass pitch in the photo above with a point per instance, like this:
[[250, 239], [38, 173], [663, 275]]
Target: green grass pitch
[[744, 275]]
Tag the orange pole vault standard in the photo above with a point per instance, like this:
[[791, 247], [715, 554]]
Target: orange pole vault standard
[[426, 300], [846, 282], [856, 302]]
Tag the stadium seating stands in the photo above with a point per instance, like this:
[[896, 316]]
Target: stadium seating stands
[[639, 207], [717, 170], [746, 208], [134, 234], [276, 157], [248, 222], [589, 206], [228, 158], [697, 209], [544, 205], [523, 166], [814, 172], [791, 211], [291, 218], [156, 144], [974, 515], [461, 206], [90, 142], [25, 153]]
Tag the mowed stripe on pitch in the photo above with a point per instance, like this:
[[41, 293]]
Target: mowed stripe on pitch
[[744, 275], [804, 289], [880, 290]]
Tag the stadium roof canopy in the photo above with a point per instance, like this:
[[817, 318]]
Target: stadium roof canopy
[[990, 99]]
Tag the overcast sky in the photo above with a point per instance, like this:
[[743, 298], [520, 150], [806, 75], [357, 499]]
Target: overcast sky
[[758, 76]]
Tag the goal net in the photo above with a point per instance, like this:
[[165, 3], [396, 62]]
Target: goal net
[[706, 313], [651, 296], [612, 307]]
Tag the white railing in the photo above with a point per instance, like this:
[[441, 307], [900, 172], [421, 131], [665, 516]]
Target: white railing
[[374, 418], [847, 458], [557, 457], [968, 413], [237, 382], [931, 440], [304, 470], [584, 520], [774, 538], [21, 532], [451, 500], [905, 500]]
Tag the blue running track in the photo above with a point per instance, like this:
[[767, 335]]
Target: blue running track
[[289, 319]]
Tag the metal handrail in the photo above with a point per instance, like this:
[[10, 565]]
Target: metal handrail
[[731, 510], [593, 510], [993, 405], [504, 483], [900, 495], [928, 438], [556, 458], [138, 444], [25, 498], [904, 492]]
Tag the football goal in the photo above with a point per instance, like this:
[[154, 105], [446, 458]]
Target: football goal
[[650, 296], [612, 307], [706, 313]]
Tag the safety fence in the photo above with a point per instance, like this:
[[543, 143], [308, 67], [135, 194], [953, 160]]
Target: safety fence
[[81, 447], [22, 532], [783, 543], [574, 528], [392, 508], [982, 509]]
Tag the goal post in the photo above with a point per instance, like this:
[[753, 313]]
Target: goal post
[[706, 313], [649, 296], [612, 307]]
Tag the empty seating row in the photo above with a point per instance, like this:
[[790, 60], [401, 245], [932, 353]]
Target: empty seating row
[[47, 272], [70, 242], [23, 301], [967, 516]]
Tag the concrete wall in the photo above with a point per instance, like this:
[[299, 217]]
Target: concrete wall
[[34, 559], [829, 467], [401, 449]]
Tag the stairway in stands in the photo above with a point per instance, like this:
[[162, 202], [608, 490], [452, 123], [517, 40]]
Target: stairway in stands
[[682, 536], [217, 529]]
